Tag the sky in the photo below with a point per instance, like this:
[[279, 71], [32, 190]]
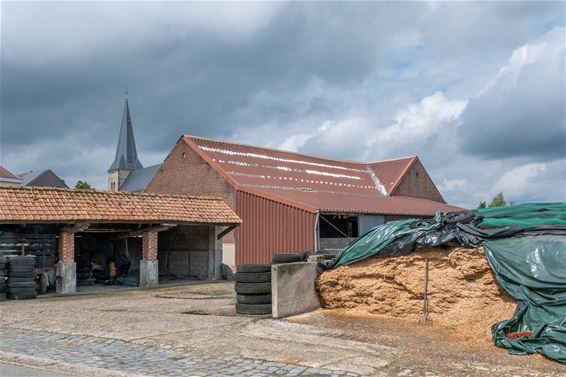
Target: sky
[[475, 89]]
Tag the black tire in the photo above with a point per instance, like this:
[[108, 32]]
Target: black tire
[[253, 268], [22, 275], [16, 279], [21, 296], [28, 269], [305, 255], [21, 261], [21, 291], [258, 277], [286, 258], [253, 299], [253, 309], [253, 288], [3, 288], [2, 296], [21, 284], [462, 217]]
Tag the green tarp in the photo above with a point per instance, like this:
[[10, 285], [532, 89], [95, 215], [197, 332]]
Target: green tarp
[[376, 239], [526, 215], [526, 248], [533, 270]]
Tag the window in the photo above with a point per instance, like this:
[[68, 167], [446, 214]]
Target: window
[[338, 226]]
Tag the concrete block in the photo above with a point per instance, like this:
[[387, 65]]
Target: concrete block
[[149, 273], [293, 289], [315, 258], [66, 278]]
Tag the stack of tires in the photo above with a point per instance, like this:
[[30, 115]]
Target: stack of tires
[[2, 278], [253, 289], [21, 278]]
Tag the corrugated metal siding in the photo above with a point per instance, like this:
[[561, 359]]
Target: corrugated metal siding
[[270, 227]]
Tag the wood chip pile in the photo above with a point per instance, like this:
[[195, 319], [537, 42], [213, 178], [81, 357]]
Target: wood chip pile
[[462, 291]]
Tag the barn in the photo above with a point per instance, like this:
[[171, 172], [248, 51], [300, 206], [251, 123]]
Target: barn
[[291, 202]]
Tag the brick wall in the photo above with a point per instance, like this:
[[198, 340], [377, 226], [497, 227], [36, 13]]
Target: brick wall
[[417, 183], [149, 245], [184, 172], [66, 246]]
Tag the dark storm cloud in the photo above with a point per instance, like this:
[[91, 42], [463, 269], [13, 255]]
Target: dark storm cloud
[[523, 112], [190, 83], [266, 73]]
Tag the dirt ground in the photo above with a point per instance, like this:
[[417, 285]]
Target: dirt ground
[[201, 319]]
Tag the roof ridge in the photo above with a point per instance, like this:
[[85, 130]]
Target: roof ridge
[[272, 149], [106, 192], [393, 159], [231, 142]]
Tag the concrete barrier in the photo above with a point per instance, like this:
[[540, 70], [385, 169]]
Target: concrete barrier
[[293, 289]]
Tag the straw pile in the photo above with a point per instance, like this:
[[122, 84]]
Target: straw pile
[[462, 291]]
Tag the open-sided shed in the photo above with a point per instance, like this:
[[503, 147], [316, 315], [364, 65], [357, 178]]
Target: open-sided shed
[[92, 225]]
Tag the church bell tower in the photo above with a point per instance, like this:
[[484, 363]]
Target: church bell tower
[[126, 159]]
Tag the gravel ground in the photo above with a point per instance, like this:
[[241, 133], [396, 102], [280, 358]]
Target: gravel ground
[[197, 323]]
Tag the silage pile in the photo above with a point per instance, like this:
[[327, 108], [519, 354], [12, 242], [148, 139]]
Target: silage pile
[[462, 291]]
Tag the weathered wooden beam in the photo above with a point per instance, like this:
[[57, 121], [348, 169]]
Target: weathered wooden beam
[[141, 231], [226, 231], [76, 227]]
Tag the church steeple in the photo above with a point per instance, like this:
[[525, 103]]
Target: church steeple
[[126, 158], [126, 153]]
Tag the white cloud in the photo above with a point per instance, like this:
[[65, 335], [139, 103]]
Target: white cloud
[[294, 142], [415, 123], [519, 181], [450, 185], [363, 139], [527, 54]]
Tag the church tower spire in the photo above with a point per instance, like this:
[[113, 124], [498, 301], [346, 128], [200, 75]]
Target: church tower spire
[[126, 158]]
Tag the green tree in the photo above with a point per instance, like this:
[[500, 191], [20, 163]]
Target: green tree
[[498, 201], [82, 185], [482, 205]]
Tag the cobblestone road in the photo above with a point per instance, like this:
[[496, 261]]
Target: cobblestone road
[[118, 355]]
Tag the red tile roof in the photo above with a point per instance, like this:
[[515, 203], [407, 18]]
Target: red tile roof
[[37, 205], [390, 172], [356, 203], [257, 167], [5, 173], [314, 183]]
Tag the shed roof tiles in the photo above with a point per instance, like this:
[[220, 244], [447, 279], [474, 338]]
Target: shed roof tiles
[[35, 204]]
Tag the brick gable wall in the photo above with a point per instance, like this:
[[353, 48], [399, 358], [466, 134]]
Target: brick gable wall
[[184, 172], [417, 183]]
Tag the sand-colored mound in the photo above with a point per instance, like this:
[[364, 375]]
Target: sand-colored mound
[[462, 291]]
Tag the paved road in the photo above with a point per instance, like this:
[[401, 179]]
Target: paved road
[[118, 355], [11, 370]]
